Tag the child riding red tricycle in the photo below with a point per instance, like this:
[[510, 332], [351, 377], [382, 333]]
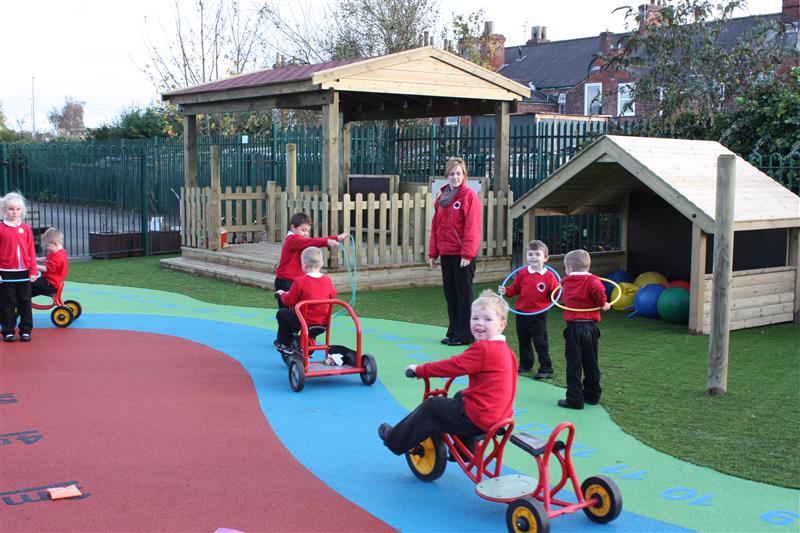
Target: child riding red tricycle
[[532, 502], [337, 359]]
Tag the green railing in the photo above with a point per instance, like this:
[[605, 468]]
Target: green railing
[[785, 169], [130, 185]]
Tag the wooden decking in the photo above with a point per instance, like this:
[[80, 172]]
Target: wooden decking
[[254, 265]]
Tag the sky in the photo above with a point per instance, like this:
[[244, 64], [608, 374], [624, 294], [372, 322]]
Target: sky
[[93, 50]]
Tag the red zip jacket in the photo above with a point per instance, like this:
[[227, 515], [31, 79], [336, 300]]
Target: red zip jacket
[[492, 370], [10, 239], [289, 266], [308, 287], [534, 289], [582, 291], [457, 228]]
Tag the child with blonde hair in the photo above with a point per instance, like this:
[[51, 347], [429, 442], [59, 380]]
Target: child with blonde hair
[[17, 268], [489, 398], [55, 267]]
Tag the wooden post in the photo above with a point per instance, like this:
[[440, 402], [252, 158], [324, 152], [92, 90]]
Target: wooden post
[[501, 152], [345, 157], [625, 215], [215, 224], [793, 250], [330, 146], [697, 281], [723, 272], [190, 150], [291, 168]]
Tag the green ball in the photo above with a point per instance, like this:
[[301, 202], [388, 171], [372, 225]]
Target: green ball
[[673, 305]]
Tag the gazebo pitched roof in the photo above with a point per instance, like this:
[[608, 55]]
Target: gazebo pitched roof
[[421, 73], [682, 172]]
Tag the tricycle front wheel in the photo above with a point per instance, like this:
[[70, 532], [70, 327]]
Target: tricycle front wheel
[[428, 459], [608, 497], [527, 514]]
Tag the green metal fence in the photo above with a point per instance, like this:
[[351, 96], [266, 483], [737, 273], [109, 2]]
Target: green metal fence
[[130, 187]]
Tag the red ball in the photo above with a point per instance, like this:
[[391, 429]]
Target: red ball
[[679, 283]]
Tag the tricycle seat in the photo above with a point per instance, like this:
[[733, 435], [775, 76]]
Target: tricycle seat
[[533, 445], [316, 331]]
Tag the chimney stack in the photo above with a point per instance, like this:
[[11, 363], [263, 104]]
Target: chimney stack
[[495, 46], [791, 12], [538, 35], [648, 13]]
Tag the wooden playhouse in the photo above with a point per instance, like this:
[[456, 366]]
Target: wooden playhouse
[[664, 191]]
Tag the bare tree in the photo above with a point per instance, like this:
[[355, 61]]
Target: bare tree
[[213, 40], [350, 28]]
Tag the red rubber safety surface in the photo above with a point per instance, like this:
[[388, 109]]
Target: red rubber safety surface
[[163, 434]]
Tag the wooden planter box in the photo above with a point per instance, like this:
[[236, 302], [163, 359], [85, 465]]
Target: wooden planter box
[[128, 244]]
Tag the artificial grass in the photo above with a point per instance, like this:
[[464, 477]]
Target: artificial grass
[[653, 373]]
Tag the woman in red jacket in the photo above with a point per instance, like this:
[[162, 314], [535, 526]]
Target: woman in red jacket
[[455, 240], [17, 268]]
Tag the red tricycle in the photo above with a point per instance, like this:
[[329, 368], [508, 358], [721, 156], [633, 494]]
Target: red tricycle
[[64, 312], [532, 502], [338, 359]]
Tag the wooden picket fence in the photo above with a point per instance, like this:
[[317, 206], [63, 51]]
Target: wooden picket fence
[[386, 230]]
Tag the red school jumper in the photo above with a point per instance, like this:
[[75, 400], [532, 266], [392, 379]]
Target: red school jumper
[[534, 289], [310, 287], [492, 370], [289, 266], [57, 265]]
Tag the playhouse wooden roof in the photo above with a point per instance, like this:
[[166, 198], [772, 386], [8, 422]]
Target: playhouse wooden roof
[[420, 82], [682, 172]]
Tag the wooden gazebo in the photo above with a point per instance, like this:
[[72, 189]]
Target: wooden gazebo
[[423, 82], [390, 231], [665, 192]]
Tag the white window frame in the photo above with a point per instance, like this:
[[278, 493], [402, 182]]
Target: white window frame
[[451, 121], [590, 90], [625, 89]]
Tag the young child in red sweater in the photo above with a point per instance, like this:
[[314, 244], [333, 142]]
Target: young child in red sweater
[[55, 267], [534, 285], [17, 268], [582, 290], [314, 285], [289, 265], [492, 370]]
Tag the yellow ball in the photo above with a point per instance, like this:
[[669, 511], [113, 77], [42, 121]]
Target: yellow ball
[[646, 278], [628, 294]]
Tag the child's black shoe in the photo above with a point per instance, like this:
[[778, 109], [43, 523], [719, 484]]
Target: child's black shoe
[[9, 337], [25, 337]]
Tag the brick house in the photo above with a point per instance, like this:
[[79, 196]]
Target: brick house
[[566, 77]]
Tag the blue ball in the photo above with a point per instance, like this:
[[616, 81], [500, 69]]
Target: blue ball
[[617, 276], [646, 300]]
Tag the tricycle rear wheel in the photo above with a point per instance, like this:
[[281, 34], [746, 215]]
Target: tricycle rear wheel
[[370, 373], [428, 459], [603, 489], [297, 373], [527, 515], [76, 308]]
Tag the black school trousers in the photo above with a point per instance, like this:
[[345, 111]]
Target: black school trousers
[[435, 415], [15, 301], [457, 283], [581, 342], [532, 329]]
